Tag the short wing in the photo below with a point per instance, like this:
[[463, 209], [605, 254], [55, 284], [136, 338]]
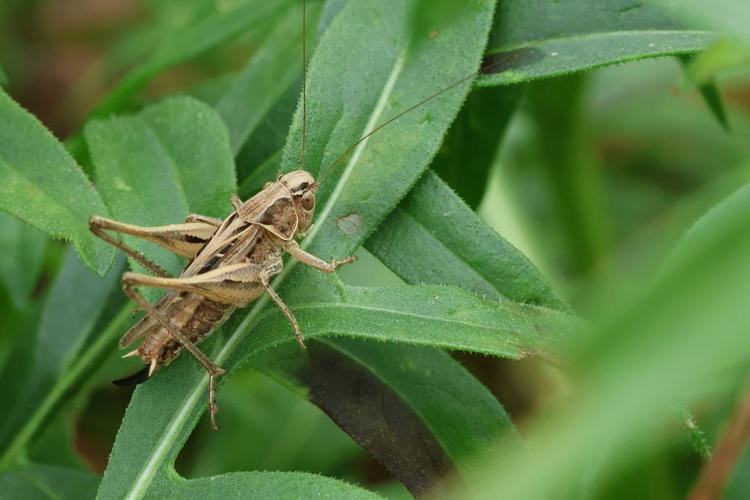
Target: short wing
[[273, 209]]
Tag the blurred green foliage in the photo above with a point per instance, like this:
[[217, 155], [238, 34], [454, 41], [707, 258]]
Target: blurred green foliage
[[582, 223]]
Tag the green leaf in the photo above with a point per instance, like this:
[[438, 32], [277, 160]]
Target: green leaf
[[367, 38], [437, 316], [269, 485], [44, 482], [446, 418], [149, 176], [427, 18], [710, 92], [21, 258], [570, 172], [255, 407], [185, 43], [44, 187], [433, 237], [60, 354], [730, 16], [533, 40], [270, 72], [681, 331], [469, 149]]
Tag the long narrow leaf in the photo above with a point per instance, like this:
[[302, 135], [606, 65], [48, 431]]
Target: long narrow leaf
[[433, 237], [533, 40]]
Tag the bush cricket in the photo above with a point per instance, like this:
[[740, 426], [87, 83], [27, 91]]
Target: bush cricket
[[231, 262]]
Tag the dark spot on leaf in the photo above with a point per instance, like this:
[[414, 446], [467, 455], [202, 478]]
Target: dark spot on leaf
[[511, 60], [376, 417], [628, 8], [349, 224]]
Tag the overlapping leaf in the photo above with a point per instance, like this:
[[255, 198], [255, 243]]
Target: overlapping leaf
[[149, 177], [44, 187], [21, 258], [533, 40], [691, 316], [43, 481], [65, 347], [206, 33], [433, 237]]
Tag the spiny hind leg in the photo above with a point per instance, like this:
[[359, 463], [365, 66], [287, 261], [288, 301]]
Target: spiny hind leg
[[232, 284], [98, 226], [235, 284], [129, 282], [182, 239]]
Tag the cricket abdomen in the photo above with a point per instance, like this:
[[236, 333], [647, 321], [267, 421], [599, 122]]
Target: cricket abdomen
[[196, 317]]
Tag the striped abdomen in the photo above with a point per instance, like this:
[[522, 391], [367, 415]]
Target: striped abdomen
[[194, 316]]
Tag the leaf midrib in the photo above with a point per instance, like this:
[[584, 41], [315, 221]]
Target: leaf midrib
[[598, 34]]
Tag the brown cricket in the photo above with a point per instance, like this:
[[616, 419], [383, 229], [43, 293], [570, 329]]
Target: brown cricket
[[231, 263]]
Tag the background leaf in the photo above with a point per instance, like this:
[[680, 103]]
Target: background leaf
[[532, 40], [433, 237], [684, 319], [44, 482], [469, 149], [185, 43], [47, 364], [21, 258], [44, 187], [569, 169], [263, 81]]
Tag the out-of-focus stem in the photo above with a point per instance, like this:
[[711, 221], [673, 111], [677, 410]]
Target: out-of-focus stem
[[718, 470]]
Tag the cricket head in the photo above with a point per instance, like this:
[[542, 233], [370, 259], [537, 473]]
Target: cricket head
[[303, 187]]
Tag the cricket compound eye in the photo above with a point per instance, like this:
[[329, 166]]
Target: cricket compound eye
[[308, 200]]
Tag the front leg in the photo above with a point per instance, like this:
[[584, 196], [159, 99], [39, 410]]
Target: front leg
[[293, 248]]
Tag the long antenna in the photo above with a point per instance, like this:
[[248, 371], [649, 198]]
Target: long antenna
[[304, 85], [343, 155]]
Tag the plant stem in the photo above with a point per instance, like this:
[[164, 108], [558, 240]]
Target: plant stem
[[718, 470]]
